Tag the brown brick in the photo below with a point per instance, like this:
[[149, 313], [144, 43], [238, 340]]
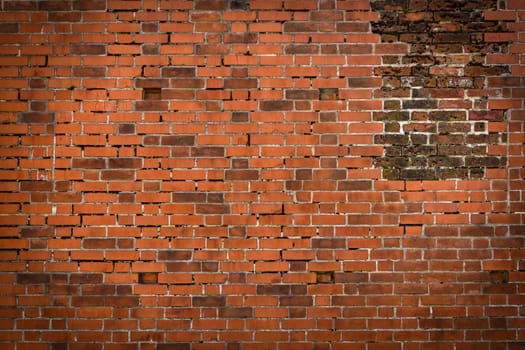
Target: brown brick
[[240, 83], [94, 163], [485, 115], [177, 72], [209, 301], [92, 5], [174, 254], [151, 83], [329, 243], [37, 117], [241, 38], [174, 346], [117, 175], [36, 231], [32, 278], [356, 185], [90, 243], [295, 301], [186, 140], [203, 151], [212, 209], [301, 49], [189, 197], [302, 94], [299, 27], [89, 72], [242, 175], [236, 312], [18, 5], [276, 105], [151, 105], [85, 278], [209, 5], [97, 49], [120, 163]]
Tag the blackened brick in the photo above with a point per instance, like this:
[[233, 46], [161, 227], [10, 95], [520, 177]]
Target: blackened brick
[[177, 72], [276, 105], [209, 301], [185, 140]]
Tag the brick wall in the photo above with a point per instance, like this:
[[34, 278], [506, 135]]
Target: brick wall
[[262, 175]]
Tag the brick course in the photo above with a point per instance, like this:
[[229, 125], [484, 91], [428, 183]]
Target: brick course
[[264, 174]]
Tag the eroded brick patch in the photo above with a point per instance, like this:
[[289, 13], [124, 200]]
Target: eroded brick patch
[[436, 88]]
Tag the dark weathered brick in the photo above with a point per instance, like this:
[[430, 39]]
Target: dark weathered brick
[[302, 94], [276, 105], [273, 289], [295, 301], [329, 243], [209, 301], [241, 38], [185, 140], [172, 72], [209, 5], [174, 254], [32, 278], [236, 312], [119, 163]]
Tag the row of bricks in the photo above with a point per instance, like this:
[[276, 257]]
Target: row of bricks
[[264, 261], [228, 105], [277, 171], [411, 190], [35, 130], [312, 200], [188, 5], [178, 67], [157, 295], [340, 325], [312, 40], [223, 6], [274, 230], [323, 203], [44, 100], [358, 340], [311, 261], [348, 288], [214, 217], [326, 294]]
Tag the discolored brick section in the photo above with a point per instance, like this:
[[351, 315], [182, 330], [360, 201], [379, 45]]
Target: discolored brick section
[[436, 85]]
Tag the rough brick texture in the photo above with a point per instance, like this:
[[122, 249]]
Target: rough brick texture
[[262, 175]]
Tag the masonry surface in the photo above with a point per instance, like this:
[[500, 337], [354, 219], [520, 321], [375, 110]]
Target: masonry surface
[[262, 175]]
